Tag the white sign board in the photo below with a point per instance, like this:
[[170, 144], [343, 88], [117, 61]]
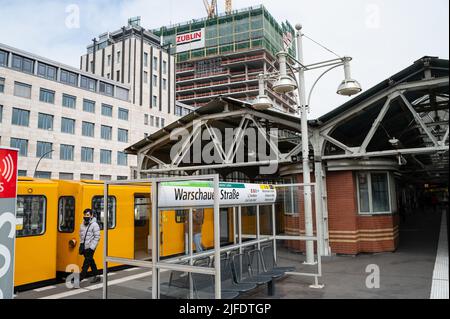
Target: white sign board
[[190, 41], [201, 193]]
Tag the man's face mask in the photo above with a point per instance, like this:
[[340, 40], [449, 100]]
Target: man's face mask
[[87, 219]]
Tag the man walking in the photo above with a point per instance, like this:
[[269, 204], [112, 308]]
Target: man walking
[[89, 239]]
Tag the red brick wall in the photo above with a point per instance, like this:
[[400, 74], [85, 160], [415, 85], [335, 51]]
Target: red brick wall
[[350, 233]]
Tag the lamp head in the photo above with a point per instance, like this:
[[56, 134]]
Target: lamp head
[[348, 86], [284, 84], [262, 102]]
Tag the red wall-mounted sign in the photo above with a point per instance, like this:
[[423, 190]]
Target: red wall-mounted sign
[[8, 173]]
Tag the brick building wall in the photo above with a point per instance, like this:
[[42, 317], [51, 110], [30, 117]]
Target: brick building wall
[[350, 233]]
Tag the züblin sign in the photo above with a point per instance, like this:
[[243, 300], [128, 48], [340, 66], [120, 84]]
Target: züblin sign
[[190, 41], [201, 193]]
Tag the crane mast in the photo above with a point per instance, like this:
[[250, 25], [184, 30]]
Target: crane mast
[[211, 8]]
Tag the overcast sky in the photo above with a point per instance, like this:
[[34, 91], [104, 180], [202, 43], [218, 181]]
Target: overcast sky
[[382, 36]]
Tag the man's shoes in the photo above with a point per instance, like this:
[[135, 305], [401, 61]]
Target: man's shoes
[[95, 280]]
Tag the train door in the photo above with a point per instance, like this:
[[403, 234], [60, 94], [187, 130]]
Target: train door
[[35, 257], [142, 227], [172, 236]]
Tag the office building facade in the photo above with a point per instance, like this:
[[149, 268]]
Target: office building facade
[[225, 54], [75, 124]]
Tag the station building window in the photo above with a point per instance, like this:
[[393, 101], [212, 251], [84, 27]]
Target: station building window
[[89, 106], [46, 71], [376, 193], [87, 176], [106, 132], [122, 159], [22, 90], [66, 152], [3, 58], [69, 78], [88, 83], [122, 135], [105, 156], [87, 155], [45, 121], [20, 117], [44, 149], [122, 93], [123, 114], [42, 174], [98, 209], [47, 96], [106, 88], [21, 144], [22, 64], [69, 101], [31, 212], [66, 176], [66, 214], [2, 85], [87, 129], [107, 110], [67, 125], [21, 172]]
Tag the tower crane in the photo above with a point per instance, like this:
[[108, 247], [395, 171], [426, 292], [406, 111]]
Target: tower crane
[[211, 8]]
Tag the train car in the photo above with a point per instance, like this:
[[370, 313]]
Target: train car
[[35, 250], [50, 213], [128, 221]]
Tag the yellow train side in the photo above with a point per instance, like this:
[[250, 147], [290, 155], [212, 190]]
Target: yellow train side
[[57, 207], [35, 253]]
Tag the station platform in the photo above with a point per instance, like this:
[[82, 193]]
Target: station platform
[[406, 273]]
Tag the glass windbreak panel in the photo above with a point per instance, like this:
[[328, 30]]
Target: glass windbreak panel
[[380, 192], [363, 190], [226, 223], [98, 209], [265, 221], [66, 214], [30, 215], [248, 220]]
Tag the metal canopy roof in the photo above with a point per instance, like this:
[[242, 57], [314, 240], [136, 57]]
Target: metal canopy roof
[[405, 118], [216, 106]]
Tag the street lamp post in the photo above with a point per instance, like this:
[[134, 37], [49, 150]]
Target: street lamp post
[[305, 150], [285, 83], [42, 156]]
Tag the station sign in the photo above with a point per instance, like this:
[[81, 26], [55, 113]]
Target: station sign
[[201, 193], [8, 194], [190, 41]]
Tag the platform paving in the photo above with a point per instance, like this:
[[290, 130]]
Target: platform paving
[[406, 273]]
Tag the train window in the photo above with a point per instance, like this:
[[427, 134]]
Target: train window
[[97, 207], [66, 214], [181, 215], [31, 211], [142, 206]]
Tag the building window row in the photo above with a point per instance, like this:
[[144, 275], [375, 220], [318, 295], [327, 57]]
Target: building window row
[[154, 121], [67, 152], [21, 117], [69, 101], [26, 65], [70, 176]]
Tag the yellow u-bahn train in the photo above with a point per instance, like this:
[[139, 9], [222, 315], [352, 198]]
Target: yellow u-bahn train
[[49, 215]]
